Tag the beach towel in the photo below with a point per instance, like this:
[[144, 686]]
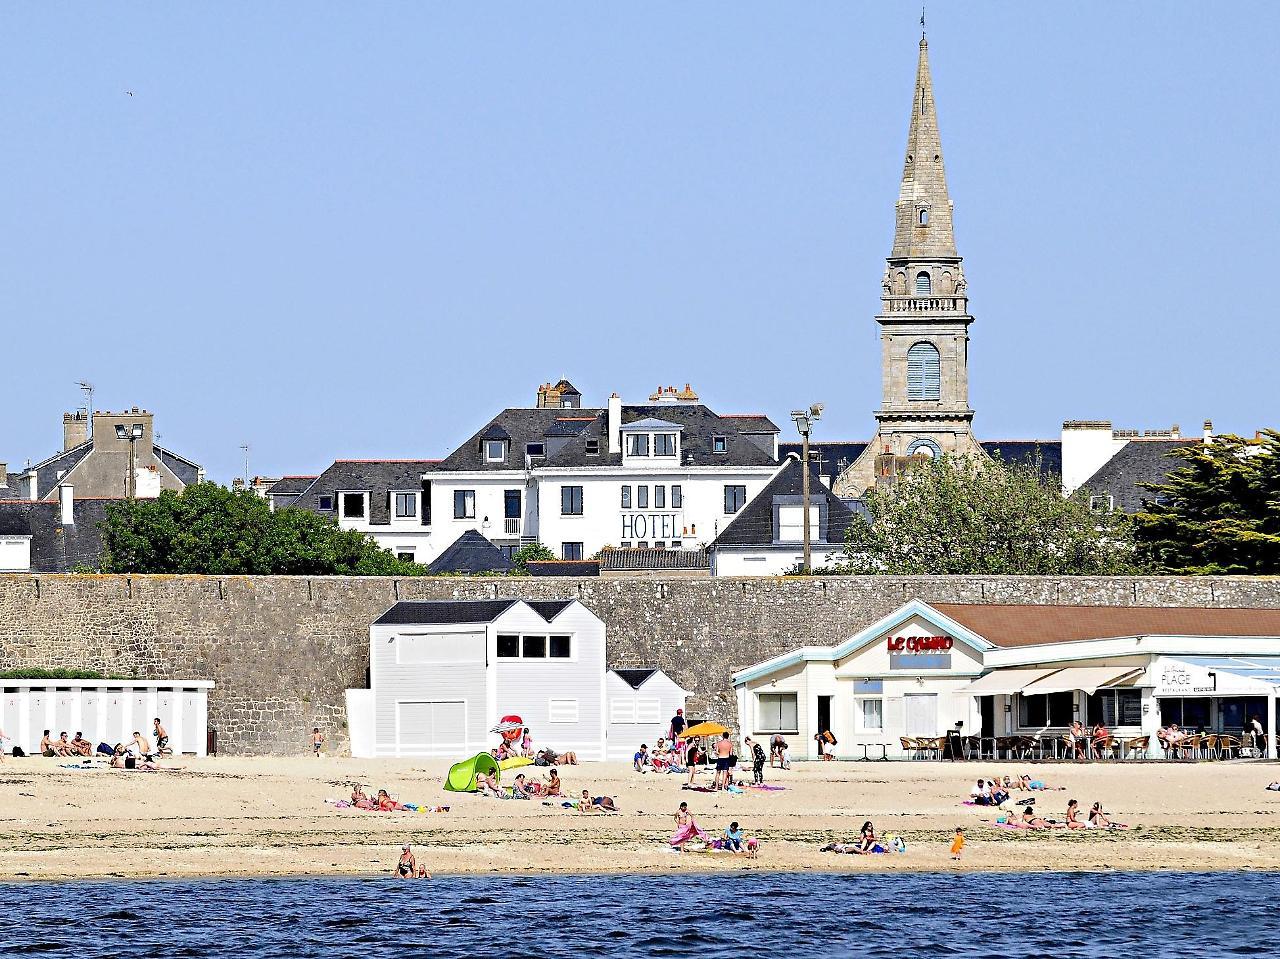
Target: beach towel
[[698, 789], [687, 832], [765, 787], [83, 765]]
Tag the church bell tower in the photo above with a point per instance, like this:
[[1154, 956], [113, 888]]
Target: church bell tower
[[924, 317]]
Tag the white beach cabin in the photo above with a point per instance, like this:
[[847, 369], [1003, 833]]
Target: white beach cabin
[[641, 704], [444, 672]]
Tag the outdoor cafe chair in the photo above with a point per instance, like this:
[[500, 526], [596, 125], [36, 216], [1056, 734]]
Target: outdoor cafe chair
[[1227, 745], [1135, 748], [1108, 748], [1209, 746], [910, 747], [1188, 747]]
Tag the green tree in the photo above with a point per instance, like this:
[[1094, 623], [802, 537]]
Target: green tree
[[210, 529], [971, 515], [526, 554], [1220, 512]]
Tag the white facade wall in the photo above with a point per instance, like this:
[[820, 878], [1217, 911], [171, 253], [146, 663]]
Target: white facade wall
[[105, 712], [402, 535], [15, 554], [441, 670], [769, 560], [641, 715], [490, 503], [562, 702], [1086, 448]]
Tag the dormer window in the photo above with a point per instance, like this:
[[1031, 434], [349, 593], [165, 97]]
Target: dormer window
[[593, 447], [535, 450], [495, 451], [326, 504], [664, 444], [719, 444], [638, 444], [353, 505]]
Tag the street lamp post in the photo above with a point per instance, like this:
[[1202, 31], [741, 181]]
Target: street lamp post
[[804, 420], [132, 434]]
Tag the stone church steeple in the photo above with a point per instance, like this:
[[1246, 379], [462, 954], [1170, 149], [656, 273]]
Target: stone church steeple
[[924, 317]]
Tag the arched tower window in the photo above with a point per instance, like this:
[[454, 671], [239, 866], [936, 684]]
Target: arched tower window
[[925, 447], [924, 373], [924, 284], [924, 217]]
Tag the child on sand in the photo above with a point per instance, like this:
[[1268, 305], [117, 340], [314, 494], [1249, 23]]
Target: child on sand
[[957, 844], [317, 741]]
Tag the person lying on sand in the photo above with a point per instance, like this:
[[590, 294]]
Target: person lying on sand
[[588, 803], [1036, 784], [385, 803], [1031, 821], [1274, 787]]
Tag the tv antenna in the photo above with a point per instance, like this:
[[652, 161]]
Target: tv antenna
[[87, 389]]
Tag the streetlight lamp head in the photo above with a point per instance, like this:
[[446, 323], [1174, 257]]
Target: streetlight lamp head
[[816, 411], [137, 431], [121, 432]]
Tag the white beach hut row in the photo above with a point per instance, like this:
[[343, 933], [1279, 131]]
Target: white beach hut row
[[444, 672], [105, 711]]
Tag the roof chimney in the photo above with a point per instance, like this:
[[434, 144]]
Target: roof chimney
[[1208, 432], [614, 424], [1176, 432], [4, 475], [75, 429], [66, 504]]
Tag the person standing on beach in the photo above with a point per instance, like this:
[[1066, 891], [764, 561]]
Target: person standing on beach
[[317, 741], [757, 761], [162, 736], [724, 762], [677, 727], [957, 844]]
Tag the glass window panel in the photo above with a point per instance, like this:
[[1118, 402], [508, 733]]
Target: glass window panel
[[534, 647], [664, 444], [872, 714], [559, 647], [406, 505], [638, 444], [642, 497], [508, 646], [464, 504], [626, 497], [677, 497], [659, 497], [353, 505]]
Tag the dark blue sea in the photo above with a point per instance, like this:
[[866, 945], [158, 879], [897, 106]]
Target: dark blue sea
[[789, 914]]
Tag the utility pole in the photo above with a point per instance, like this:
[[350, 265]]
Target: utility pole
[[132, 434], [245, 447], [804, 420]]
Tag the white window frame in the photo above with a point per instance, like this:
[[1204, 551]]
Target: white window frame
[[488, 453], [465, 514], [395, 504], [341, 504], [860, 703], [760, 725], [633, 441], [675, 445]]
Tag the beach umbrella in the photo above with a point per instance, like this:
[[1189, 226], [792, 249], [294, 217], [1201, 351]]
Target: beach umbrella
[[702, 730], [507, 726]]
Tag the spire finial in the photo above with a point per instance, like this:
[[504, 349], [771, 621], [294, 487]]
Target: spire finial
[[922, 21]]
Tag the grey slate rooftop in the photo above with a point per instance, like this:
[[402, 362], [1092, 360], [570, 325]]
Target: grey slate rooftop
[[56, 548], [291, 485], [638, 559], [470, 553], [1138, 461], [429, 612], [379, 477], [754, 525], [563, 567], [634, 677]]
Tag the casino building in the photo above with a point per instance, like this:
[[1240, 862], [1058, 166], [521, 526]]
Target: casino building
[[1027, 671]]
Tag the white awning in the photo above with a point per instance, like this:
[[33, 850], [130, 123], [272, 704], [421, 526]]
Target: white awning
[[1087, 679], [1003, 682]]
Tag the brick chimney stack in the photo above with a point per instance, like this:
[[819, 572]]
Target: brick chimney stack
[[75, 429]]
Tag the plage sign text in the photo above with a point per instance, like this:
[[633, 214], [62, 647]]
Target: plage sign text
[[920, 644]]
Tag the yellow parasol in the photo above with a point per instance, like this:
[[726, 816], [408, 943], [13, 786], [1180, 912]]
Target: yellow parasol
[[704, 729]]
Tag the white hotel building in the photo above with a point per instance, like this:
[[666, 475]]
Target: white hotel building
[[668, 474]]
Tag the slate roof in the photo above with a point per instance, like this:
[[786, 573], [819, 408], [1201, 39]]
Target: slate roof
[[1047, 453], [56, 548], [633, 677], [633, 559], [1138, 461], [291, 485], [836, 456], [182, 467], [378, 477], [47, 470], [754, 523], [563, 567], [470, 553], [698, 425], [751, 422], [428, 612]]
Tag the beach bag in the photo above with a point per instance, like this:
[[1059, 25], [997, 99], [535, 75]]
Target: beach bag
[[733, 761], [18, 752], [829, 738], [130, 762]]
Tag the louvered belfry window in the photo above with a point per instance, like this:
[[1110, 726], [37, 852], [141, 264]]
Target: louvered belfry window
[[924, 373], [924, 285]]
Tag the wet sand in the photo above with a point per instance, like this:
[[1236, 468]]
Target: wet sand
[[268, 817]]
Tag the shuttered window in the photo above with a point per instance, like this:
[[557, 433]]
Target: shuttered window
[[924, 372], [924, 285]]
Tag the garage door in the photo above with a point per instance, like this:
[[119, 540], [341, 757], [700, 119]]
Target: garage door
[[434, 727]]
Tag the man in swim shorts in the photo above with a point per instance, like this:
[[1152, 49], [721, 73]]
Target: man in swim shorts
[[724, 763]]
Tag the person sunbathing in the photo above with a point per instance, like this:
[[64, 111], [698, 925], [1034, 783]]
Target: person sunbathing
[[1073, 816], [385, 803], [1031, 821], [520, 789], [1036, 784], [553, 782], [48, 747], [81, 745], [487, 785], [359, 799], [1099, 820]]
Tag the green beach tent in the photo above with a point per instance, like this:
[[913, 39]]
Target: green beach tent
[[462, 776]]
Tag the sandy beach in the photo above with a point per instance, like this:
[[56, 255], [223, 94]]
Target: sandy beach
[[269, 817]]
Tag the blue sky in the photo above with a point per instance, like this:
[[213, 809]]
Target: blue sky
[[356, 230]]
